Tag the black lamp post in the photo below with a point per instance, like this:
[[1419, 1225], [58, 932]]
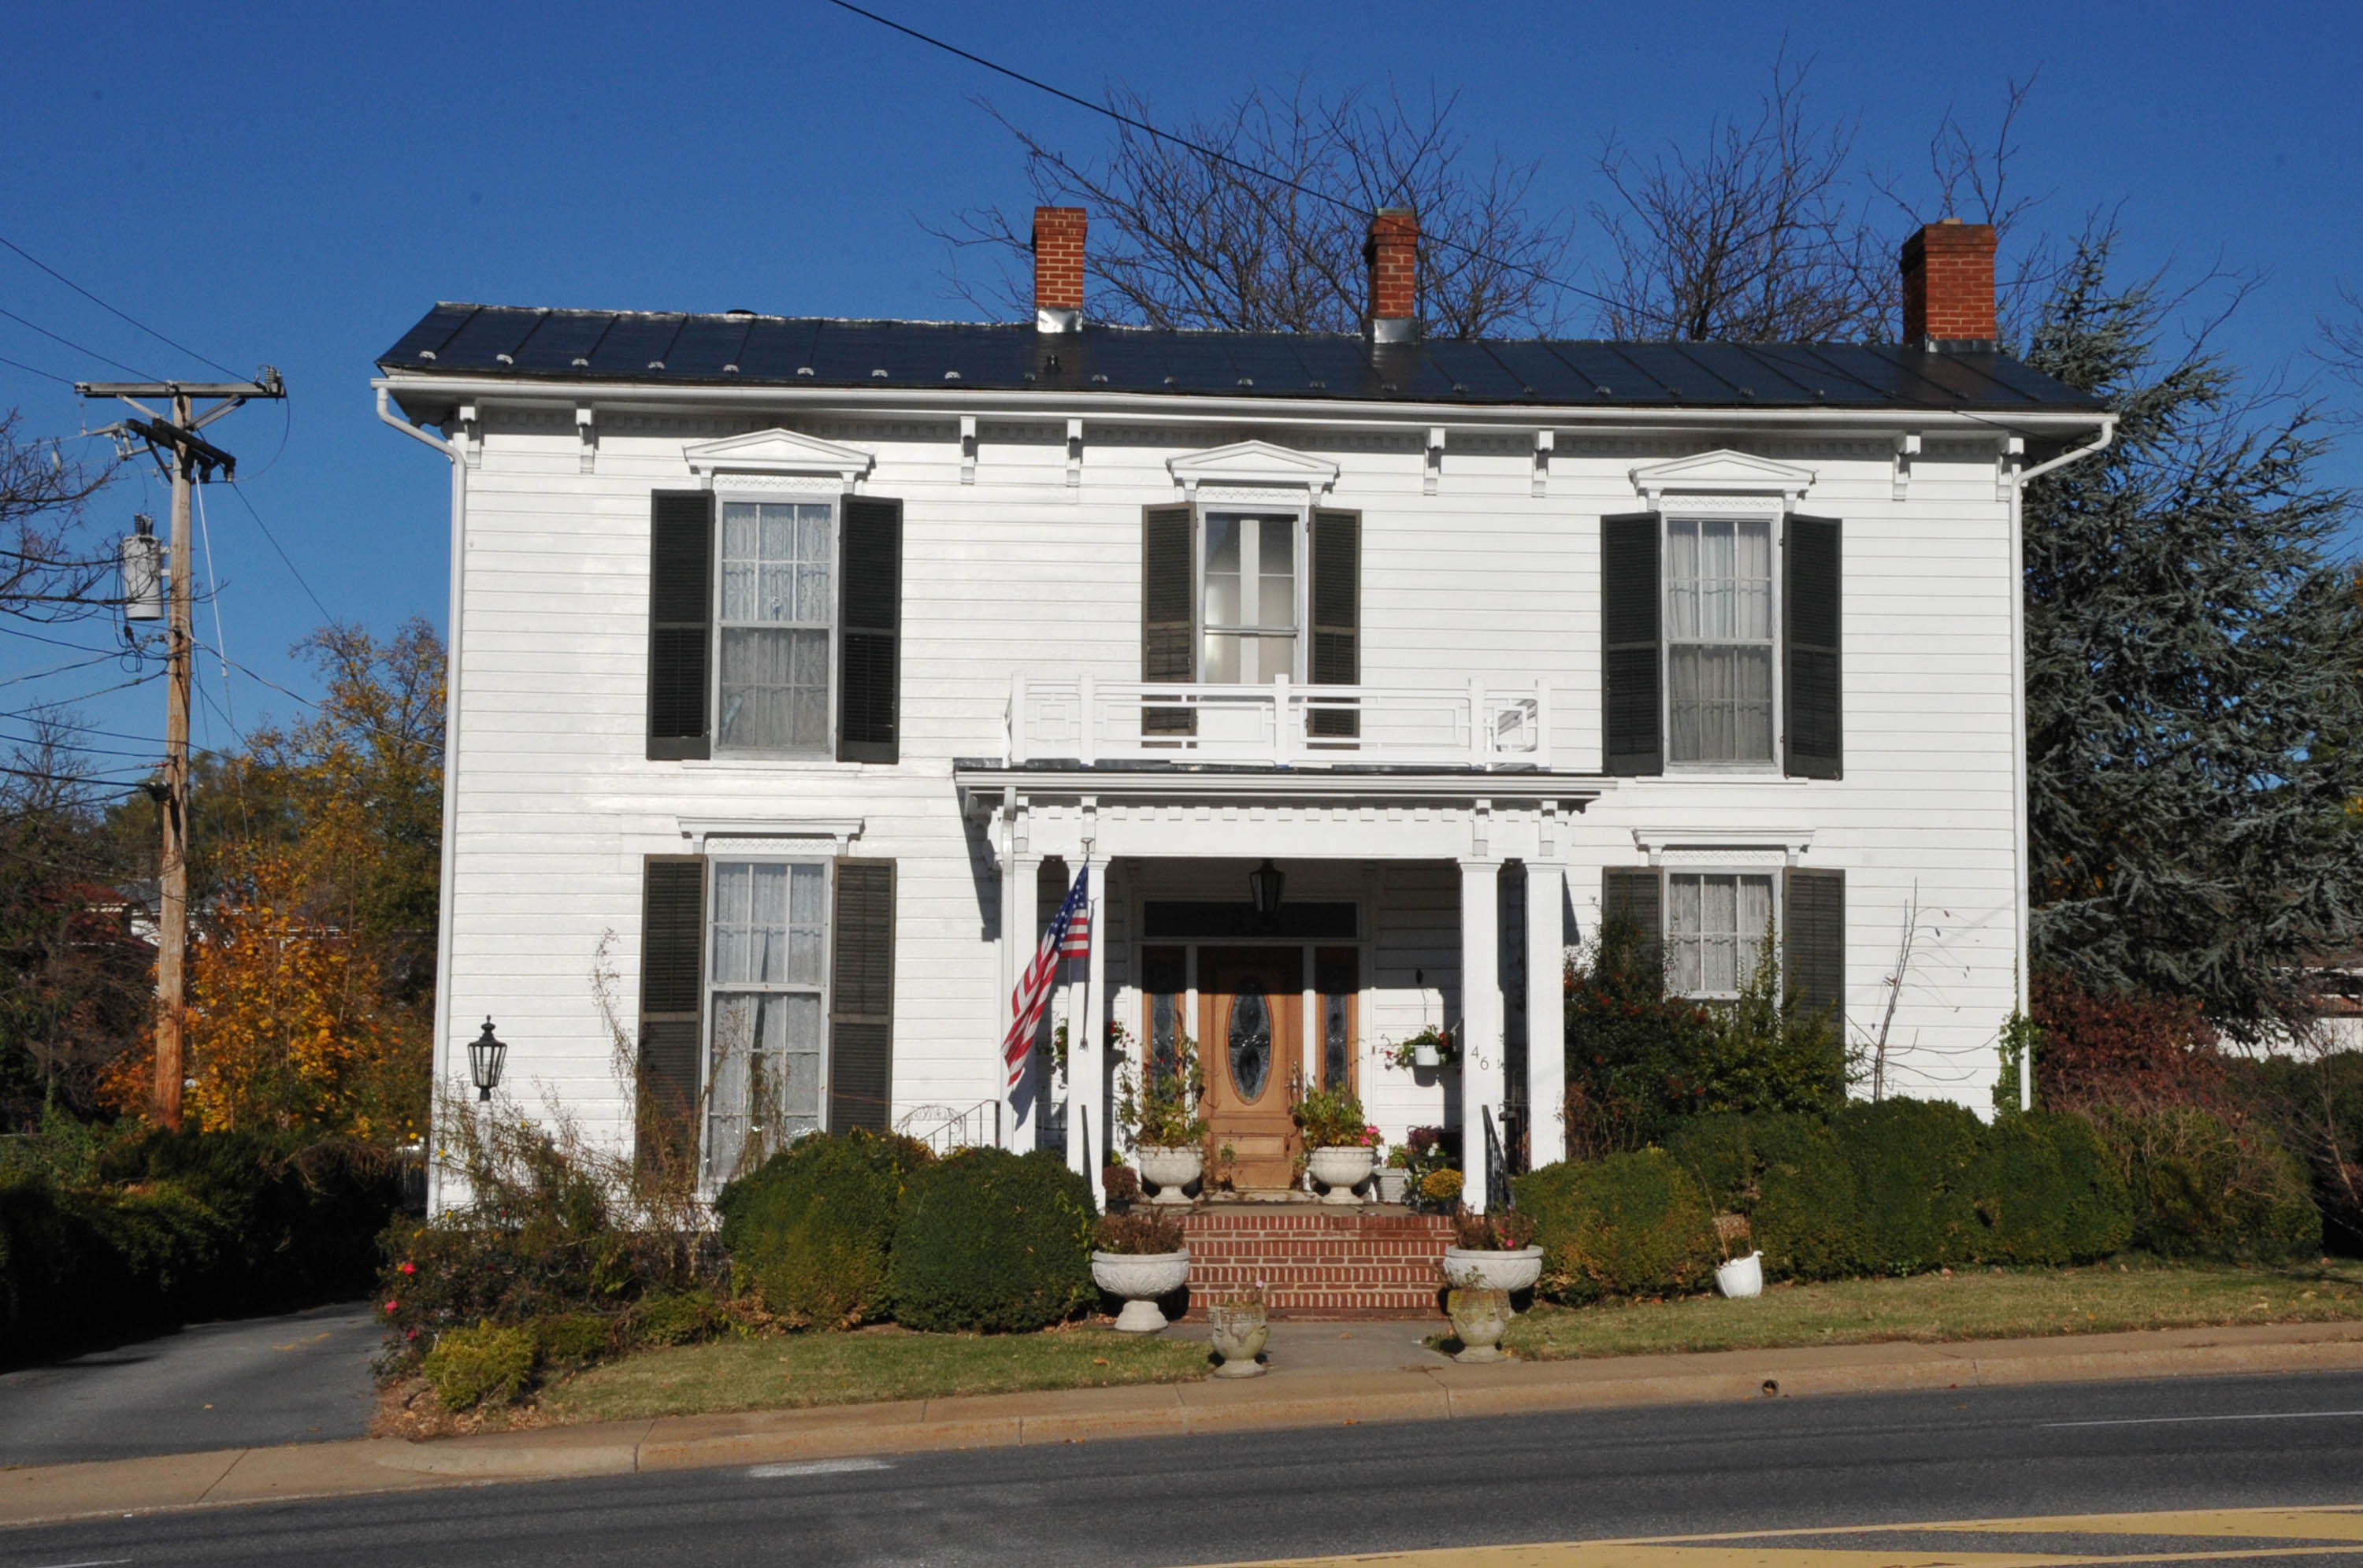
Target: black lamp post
[[485, 1054], [1264, 886]]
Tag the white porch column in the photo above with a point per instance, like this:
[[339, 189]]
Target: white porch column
[[1546, 1015], [1018, 935], [1482, 1066], [1087, 1131]]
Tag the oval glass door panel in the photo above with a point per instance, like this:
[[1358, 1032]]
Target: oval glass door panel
[[1251, 1046]]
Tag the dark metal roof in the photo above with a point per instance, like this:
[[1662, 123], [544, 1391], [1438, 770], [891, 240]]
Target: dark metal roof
[[746, 349]]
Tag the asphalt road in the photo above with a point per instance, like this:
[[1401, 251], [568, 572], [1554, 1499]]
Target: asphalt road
[[1768, 1464], [260, 1381]]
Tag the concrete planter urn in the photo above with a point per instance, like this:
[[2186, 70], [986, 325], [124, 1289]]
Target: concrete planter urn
[[1166, 1171], [1393, 1182], [1239, 1335], [1340, 1170], [1486, 1269], [1479, 1317], [1142, 1279], [1741, 1277]]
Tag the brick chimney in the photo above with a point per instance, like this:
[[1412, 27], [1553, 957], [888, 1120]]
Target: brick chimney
[[1059, 268], [1949, 287], [1393, 253]]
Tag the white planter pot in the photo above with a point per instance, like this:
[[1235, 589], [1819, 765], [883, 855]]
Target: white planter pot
[[1393, 1181], [1480, 1319], [1142, 1279], [1426, 1055], [1238, 1335], [1741, 1277], [1166, 1171], [1340, 1170], [1470, 1268]]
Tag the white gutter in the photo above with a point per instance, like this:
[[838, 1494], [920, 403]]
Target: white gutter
[[2022, 851], [442, 1025]]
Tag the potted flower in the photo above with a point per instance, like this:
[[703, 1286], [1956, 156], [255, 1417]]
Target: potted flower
[[1492, 1252], [1168, 1129], [1439, 1189], [1340, 1148], [1142, 1259], [1431, 1047], [1425, 1153], [1240, 1328], [1394, 1177]]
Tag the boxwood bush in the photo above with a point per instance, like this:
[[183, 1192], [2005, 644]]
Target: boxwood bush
[[2204, 1188], [809, 1232], [1911, 1161], [1629, 1225], [992, 1242], [2046, 1191], [1790, 1175]]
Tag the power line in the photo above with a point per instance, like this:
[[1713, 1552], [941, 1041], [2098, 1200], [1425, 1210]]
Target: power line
[[77, 347], [93, 298], [1223, 158], [283, 553], [36, 370], [36, 636]]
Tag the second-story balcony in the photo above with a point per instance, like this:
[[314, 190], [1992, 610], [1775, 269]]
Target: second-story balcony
[[1283, 724]]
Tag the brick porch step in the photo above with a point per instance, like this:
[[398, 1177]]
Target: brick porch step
[[1317, 1262]]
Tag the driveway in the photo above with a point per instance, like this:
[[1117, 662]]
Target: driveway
[[255, 1382]]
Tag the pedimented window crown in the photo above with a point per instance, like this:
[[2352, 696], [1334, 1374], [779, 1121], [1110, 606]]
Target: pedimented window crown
[[777, 451], [1253, 464], [1722, 473]]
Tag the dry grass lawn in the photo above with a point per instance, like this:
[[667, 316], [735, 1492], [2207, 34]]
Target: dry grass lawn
[[1967, 1305], [797, 1369]]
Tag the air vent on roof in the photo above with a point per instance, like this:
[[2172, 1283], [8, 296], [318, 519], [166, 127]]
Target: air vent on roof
[[581, 363], [656, 364], [1673, 391], [1168, 380], [1531, 393], [504, 358], [729, 370], [1605, 391], [427, 353], [1748, 392], [1320, 386], [803, 370], [877, 375], [739, 313], [1247, 381], [1459, 388], [948, 375], [1100, 377]]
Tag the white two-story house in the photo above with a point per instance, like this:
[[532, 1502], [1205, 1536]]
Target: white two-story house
[[799, 665]]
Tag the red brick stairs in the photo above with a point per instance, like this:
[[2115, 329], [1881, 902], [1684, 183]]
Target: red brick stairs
[[1318, 1262]]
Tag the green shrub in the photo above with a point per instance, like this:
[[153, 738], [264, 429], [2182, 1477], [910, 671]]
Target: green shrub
[[2204, 1188], [1911, 1161], [482, 1366], [1790, 1175], [2046, 1192], [1628, 1225], [680, 1318], [994, 1242], [809, 1232], [571, 1340]]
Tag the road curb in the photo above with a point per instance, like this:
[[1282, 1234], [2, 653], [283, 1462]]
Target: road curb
[[44, 1494]]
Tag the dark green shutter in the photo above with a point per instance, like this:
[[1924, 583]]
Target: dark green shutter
[[862, 996], [681, 595], [1631, 710], [1637, 897], [1337, 651], [1811, 690], [672, 996], [1168, 603], [870, 630], [1813, 962]]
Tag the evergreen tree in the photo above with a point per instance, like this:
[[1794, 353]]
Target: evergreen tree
[[2193, 692]]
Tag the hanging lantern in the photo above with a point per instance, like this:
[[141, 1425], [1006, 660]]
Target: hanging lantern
[[1264, 886], [485, 1054]]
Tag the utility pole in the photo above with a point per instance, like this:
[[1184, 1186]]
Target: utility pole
[[192, 461]]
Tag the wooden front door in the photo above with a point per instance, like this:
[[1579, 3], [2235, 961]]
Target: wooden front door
[[1251, 1008]]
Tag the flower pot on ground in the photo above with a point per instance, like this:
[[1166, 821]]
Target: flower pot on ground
[[1240, 1328], [1168, 1172], [1140, 1259], [1341, 1148], [1339, 1171], [1741, 1277], [1480, 1316], [1492, 1252]]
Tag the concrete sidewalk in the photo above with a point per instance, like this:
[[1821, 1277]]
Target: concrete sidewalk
[[1305, 1397]]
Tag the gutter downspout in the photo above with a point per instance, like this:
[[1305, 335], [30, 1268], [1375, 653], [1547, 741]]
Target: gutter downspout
[[442, 1024], [2022, 851]]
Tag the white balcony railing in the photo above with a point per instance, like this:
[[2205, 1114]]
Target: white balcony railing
[[1283, 724]]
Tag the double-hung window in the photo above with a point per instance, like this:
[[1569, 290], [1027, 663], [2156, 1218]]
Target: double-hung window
[[1716, 926], [1247, 599], [778, 611], [1709, 925], [767, 983], [1719, 641]]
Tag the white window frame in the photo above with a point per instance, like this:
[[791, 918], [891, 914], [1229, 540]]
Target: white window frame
[[725, 496], [712, 989], [1773, 875], [1773, 520], [1296, 513]]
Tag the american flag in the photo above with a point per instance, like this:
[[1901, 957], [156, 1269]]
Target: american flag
[[1033, 992]]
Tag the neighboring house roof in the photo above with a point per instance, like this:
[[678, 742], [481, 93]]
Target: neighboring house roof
[[741, 348]]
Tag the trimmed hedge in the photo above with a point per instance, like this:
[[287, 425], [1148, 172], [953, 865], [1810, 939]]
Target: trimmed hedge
[[1911, 1160], [809, 1234], [1790, 1176], [992, 1242], [2202, 1187], [2046, 1191], [1628, 1225]]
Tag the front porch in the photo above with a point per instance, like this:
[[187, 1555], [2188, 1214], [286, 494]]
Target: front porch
[[1415, 898]]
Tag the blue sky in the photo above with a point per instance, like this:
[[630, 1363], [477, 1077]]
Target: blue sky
[[295, 185]]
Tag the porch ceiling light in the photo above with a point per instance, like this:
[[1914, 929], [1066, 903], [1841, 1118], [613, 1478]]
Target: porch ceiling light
[[485, 1054], [1264, 886]]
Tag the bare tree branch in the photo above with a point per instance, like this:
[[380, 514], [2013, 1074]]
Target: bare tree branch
[[45, 571]]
